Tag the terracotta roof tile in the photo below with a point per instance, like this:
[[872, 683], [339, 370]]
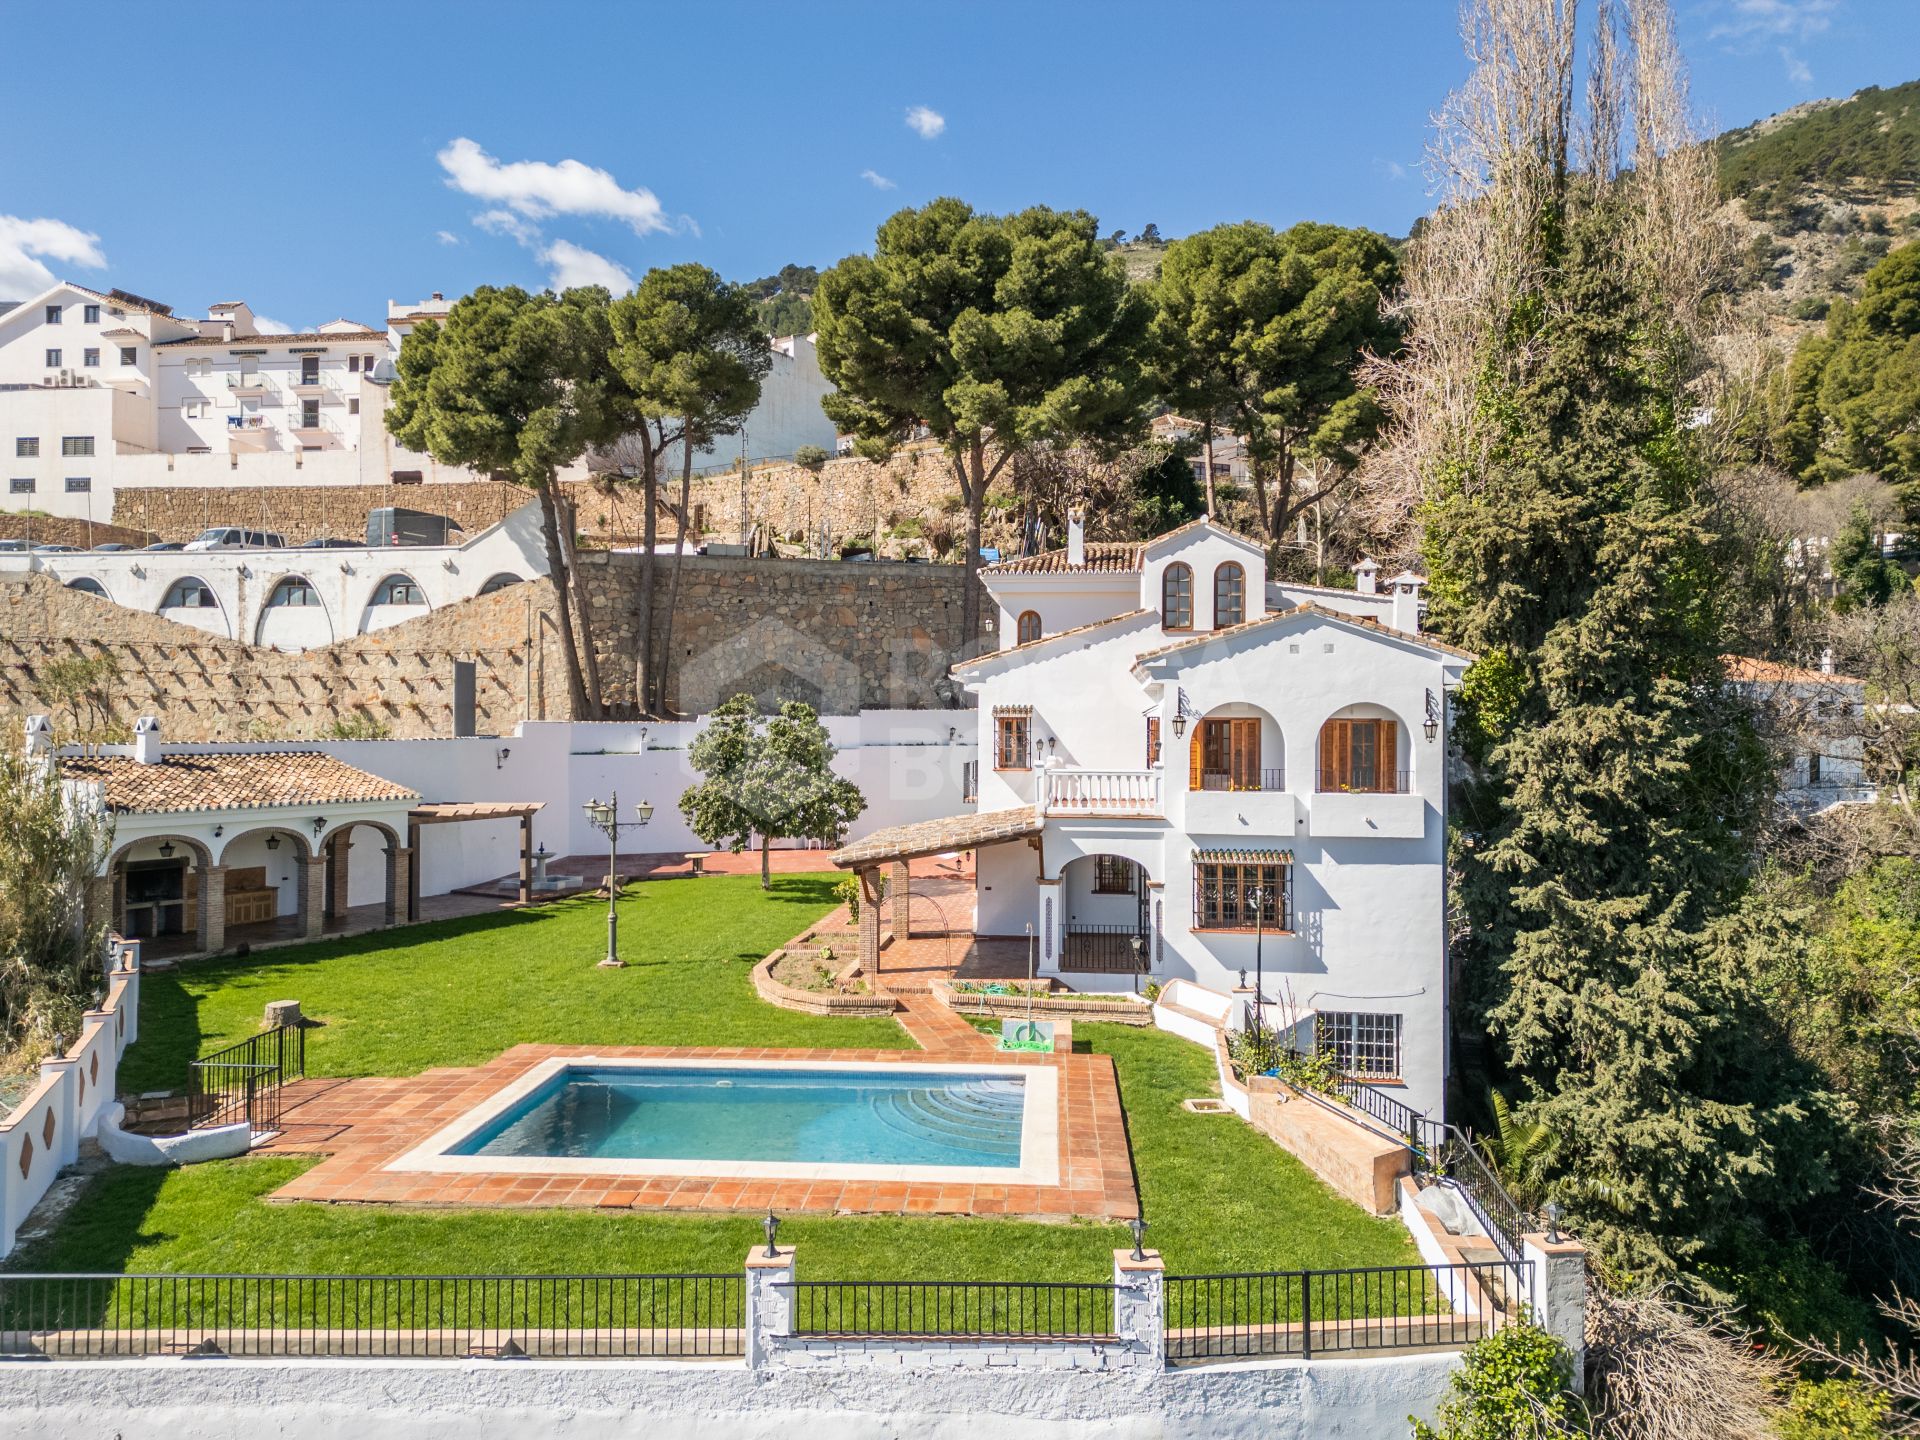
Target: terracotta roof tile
[[1306, 608], [1111, 557], [935, 837], [229, 781], [305, 337], [1057, 635], [1746, 670]]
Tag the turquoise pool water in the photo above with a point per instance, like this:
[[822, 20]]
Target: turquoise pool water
[[895, 1116]]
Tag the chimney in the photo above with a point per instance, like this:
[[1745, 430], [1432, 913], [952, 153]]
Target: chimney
[[146, 740], [1076, 537], [39, 735], [1405, 615], [438, 296], [1366, 576]]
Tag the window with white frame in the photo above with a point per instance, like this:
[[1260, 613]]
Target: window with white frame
[[76, 445], [53, 314], [26, 446], [90, 314], [90, 357], [294, 591], [129, 355], [20, 486], [398, 590], [53, 359], [1365, 1045], [79, 484]]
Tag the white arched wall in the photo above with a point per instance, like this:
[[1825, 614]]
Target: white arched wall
[[1360, 710], [1085, 906], [293, 627], [248, 848], [1273, 740], [211, 618]]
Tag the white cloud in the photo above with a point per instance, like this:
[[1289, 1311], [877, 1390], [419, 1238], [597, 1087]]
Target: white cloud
[[268, 326], [925, 122], [446, 237], [1761, 21], [1392, 169], [505, 222], [1797, 70], [24, 242], [536, 189], [569, 265], [876, 179]]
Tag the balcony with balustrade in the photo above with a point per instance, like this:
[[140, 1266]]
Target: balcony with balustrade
[[1101, 794]]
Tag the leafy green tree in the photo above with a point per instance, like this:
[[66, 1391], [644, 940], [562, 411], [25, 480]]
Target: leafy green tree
[[1513, 1385], [1855, 392], [518, 385], [1607, 846], [1861, 571], [1163, 493], [51, 931], [690, 348], [1262, 333], [1149, 234], [996, 333], [771, 777]]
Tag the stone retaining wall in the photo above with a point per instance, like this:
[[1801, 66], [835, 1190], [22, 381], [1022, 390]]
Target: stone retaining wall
[[308, 512], [1058, 1005], [60, 530]]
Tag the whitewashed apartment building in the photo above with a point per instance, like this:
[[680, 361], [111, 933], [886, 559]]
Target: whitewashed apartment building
[[104, 391], [1187, 771]]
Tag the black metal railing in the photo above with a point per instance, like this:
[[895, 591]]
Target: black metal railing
[[1365, 782], [393, 1316], [242, 1082], [1106, 950], [1304, 1313], [1452, 1156], [953, 1310], [1274, 779]]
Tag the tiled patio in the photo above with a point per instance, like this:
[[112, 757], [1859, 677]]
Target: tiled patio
[[360, 1125]]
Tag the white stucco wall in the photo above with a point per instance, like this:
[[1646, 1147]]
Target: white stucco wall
[[345, 581], [529, 1400]]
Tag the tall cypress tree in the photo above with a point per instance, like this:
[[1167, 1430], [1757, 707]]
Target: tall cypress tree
[[1607, 835]]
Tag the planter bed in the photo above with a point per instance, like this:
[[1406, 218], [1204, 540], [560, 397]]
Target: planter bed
[[1046, 1004], [817, 1002]]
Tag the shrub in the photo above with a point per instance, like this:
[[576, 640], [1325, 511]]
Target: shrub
[[357, 726], [1834, 1410], [810, 457], [1513, 1385]]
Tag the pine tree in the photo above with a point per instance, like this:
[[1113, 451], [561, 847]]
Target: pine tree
[[1609, 835]]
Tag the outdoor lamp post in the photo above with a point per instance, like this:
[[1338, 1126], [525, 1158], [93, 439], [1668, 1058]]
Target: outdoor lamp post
[[1139, 944], [1258, 895], [606, 819]]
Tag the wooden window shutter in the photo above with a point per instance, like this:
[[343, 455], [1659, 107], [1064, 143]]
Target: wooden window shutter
[[1196, 758], [1243, 749], [1153, 741]]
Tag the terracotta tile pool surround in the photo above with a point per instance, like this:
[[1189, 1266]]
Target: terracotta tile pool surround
[[361, 1126]]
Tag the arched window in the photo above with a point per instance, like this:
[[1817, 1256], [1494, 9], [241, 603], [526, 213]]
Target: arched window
[[87, 585], [499, 582], [294, 590], [1229, 595], [189, 593], [1029, 626], [1176, 596], [398, 590], [1360, 755]]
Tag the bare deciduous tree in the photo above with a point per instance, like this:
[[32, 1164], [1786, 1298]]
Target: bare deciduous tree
[[1661, 1371]]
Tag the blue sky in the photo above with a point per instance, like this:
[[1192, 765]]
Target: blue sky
[[318, 160]]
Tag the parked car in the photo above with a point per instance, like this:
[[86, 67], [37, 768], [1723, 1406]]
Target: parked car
[[396, 526], [329, 542], [57, 549], [12, 547], [112, 545], [233, 537], [163, 545]]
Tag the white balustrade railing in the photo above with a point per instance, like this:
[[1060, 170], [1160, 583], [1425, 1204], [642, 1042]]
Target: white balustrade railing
[[1102, 792]]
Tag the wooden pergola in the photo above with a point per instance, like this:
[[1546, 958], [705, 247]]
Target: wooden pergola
[[450, 812], [897, 845]]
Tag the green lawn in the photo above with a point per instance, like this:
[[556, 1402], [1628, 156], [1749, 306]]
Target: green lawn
[[460, 991], [1218, 1195]]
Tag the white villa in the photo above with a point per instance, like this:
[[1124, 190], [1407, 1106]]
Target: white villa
[[1187, 771]]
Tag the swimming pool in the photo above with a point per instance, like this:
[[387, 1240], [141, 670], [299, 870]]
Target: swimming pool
[[816, 1120]]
